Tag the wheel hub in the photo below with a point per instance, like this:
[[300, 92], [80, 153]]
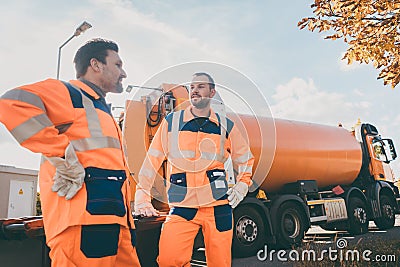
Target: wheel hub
[[388, 211], [291, 225], [360, 215], [246, 230]]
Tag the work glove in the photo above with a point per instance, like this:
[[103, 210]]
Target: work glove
[[70, 174], [143, 206], [237, 193]]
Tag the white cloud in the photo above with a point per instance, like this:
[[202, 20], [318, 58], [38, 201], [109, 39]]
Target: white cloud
[[358, 92], [396, 120], [151, 44], [147, 43], [360, 105], [302, 100]]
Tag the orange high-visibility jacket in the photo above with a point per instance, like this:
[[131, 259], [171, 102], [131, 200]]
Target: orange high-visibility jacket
[[196, 150], [45, 117]]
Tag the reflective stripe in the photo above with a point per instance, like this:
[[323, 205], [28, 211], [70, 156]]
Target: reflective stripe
[[187, 153], [213, 156], [150, 173], [243, 158], [222, 125], [181, 154], [155, 153], [96, 143], [92, 117], [42, 159], [175, 153], [209, 156], [244, 168], [125, 150], [174, 145], [97, 139], [24, 96], [31, 127]]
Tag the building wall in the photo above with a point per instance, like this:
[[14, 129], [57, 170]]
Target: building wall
[[9, 173]]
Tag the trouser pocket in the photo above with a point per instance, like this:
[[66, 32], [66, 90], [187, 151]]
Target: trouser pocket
[[187, 213], [104, 195], [223, 217], [218, 183], [100, 240], [178, 187]]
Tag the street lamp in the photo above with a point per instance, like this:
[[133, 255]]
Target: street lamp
[[83, 27]]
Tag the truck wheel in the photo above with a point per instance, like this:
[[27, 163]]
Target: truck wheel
[[357, 213], [388, 213], [248, 232], [291, 225]]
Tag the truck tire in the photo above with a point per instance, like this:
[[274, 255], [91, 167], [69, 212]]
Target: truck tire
[[248, 232], [357, 213], [388, 213], [291, 225]]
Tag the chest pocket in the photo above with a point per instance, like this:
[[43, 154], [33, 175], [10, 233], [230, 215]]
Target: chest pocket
[[218, 183], [178, 187]]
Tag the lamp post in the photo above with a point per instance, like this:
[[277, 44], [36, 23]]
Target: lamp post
[[83, 27]]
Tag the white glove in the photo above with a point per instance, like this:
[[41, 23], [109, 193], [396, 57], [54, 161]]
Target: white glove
[[70, 174], [143, 204], [237, 193]]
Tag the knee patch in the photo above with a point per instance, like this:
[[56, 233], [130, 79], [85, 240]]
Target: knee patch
[[100, 240]]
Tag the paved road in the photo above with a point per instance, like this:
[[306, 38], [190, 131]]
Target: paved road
[[318, 239]]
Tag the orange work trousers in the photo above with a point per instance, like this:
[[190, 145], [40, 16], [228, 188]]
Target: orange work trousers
[[93, 245], [181, 227]]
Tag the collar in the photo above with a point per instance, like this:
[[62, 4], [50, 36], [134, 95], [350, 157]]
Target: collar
[[187, 116], [89, 87]]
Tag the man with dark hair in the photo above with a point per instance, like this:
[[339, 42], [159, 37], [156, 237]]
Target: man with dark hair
[[83, 181], [196, 142], [210, 79]]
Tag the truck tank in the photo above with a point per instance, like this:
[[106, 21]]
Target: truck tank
[[303, 151], [285, 151]]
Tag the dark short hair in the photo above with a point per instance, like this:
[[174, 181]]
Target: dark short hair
[[95, 48], [210, 79]]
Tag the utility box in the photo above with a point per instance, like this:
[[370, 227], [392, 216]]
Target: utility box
[[18, 189]]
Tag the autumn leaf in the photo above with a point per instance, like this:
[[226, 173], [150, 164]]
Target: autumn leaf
[[371, 29]]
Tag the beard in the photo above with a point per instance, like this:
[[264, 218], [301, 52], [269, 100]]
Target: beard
[[202, 103], [118, 88]]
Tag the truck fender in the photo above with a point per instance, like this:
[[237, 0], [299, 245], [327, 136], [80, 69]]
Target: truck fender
[[374, 192], [354, 191], [253, 201], [277, 202]]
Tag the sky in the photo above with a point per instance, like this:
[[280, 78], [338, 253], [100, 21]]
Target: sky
[[301, 75]]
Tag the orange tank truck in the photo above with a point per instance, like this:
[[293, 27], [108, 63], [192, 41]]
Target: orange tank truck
[[305, 174], [306, 151]]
